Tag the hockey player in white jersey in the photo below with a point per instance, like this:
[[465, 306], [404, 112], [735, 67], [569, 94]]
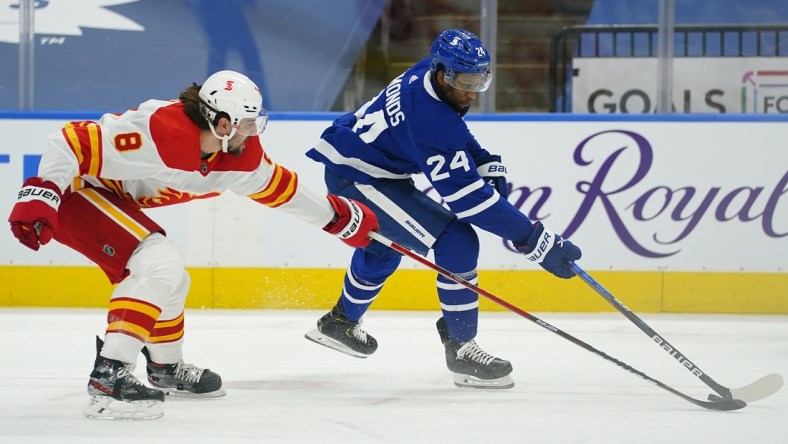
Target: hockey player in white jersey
[[415, 126], [96, 178]]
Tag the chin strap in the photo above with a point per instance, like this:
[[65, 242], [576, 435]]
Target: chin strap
[[225, 139]]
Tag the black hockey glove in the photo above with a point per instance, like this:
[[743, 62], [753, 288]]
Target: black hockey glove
[[494, 173], [550, 251]]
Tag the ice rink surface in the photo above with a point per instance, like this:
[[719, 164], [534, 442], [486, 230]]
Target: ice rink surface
[[285, 389]]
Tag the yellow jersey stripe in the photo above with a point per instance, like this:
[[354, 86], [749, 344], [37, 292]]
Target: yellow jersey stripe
[[277, 176], [95, 150], [287, 193], [74, 142]]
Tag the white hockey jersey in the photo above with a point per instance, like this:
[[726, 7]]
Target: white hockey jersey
[[151, 155]]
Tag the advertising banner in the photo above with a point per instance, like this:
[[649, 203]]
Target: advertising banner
[[628, 85], [636, 195]]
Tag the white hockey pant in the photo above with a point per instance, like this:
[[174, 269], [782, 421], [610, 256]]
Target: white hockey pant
[[157, 277]]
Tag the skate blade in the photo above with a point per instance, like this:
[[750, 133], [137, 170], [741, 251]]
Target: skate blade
[[468, 381], [174, 394], [105, 407], [319, 338]]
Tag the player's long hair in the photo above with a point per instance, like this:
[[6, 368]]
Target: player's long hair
[[191, 100]]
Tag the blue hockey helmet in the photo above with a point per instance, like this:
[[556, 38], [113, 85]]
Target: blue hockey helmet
[[464, 58]]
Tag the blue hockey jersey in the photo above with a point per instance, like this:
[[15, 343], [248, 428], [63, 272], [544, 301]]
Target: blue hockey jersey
[[406, 129]]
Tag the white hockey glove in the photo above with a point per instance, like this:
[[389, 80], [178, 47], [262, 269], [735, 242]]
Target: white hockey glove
[[493, 172]]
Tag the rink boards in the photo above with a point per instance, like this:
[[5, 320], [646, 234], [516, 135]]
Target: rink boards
[[674, 214]]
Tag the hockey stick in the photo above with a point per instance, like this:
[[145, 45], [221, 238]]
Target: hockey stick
[[762, 388], [721, 404]]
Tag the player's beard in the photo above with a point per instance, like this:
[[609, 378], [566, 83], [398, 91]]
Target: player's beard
[[452, 98], [237, 148]]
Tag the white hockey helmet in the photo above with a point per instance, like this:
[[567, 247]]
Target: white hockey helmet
[[235, 95]]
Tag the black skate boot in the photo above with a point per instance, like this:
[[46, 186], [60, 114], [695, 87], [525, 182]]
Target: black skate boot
[[472, 366], [183, 380], [336, 331], [116, 394]]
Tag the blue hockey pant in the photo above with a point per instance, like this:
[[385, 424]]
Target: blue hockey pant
[[414, 220]]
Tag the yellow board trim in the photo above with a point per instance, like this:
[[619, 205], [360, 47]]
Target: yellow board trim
[[535, 291]]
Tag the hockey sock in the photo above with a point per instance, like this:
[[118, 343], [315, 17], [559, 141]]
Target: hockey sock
[[457, 250], [460, 307], [364, 279]]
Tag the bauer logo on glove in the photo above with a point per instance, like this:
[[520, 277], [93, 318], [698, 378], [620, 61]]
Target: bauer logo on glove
[[550, 251], [351, 228], [34, 216], [30, 193], [352, 222], [545, 242]]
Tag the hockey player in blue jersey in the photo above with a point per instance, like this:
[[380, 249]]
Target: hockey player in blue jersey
[[415, 125]]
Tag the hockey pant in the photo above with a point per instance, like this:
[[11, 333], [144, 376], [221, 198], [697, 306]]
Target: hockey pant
[[146, 307], [412, 219]]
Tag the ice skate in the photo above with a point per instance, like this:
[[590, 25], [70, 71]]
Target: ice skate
[[472, 366], [116, 394], [184, 380], [336, 331]]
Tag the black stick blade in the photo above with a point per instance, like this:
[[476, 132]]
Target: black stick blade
[[722, 404]]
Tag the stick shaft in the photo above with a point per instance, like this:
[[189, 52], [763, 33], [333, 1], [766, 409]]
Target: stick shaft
[[726, 404], [656, 337]]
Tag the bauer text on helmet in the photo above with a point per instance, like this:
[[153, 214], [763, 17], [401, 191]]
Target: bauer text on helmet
[[464, 58]]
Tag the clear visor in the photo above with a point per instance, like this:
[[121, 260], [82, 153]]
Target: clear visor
[[253, 126], [466, 81]]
